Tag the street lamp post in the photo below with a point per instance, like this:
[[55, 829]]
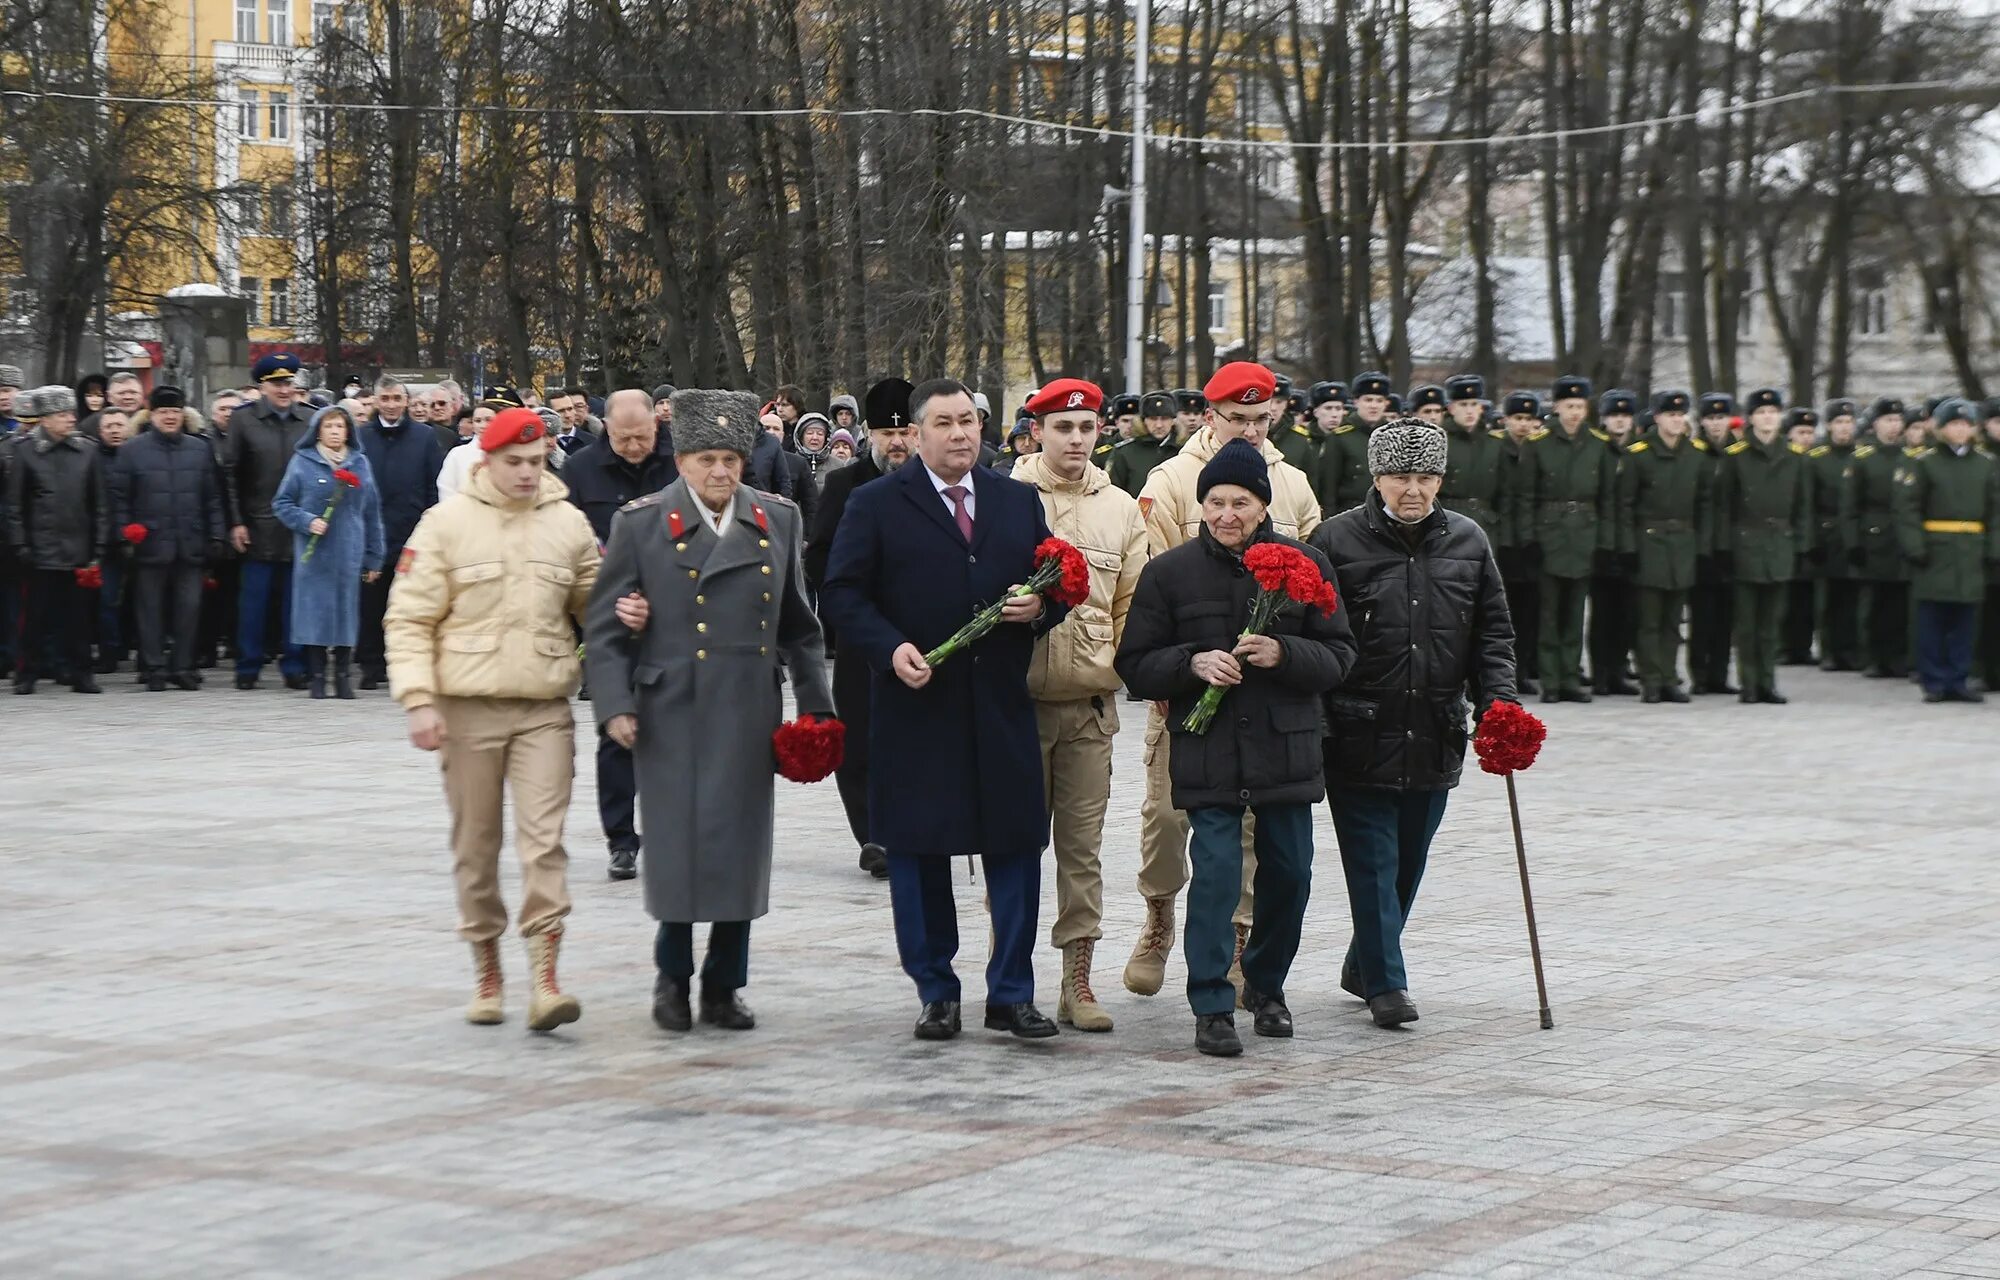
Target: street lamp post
[[1135, 252]]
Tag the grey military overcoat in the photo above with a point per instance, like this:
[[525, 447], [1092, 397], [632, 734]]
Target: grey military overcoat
[[704, 680]]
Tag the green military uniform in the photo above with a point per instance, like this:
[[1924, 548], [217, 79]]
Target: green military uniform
[[1666, 513], [1869, 515], [1948, 526], [1763, 522], [1475, 478], [1563, 507], [1614, 608], [1712, 603], [1340, 478], [1837, 592], [1134, 460], [1300, 443], [1101, 455]]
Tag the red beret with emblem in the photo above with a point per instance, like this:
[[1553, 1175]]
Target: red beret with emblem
[[512, 426], [1244, 381], [1065, 394]]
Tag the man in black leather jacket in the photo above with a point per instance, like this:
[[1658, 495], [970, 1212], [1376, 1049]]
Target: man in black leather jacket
[[1423, 594]]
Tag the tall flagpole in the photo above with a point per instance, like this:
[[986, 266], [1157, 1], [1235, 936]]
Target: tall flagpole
[[1135, 250]]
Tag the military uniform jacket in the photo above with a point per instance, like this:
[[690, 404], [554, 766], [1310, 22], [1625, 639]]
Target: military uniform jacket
[[1948, 523], [1666, 500], [705, 681], [1475, 479], [1299, 443], [1764, 510], [1869, 505], [1134, 460], [1566, 501], [1832, 534], [1339, 473]]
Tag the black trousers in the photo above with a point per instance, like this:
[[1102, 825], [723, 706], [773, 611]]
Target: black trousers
[[1796, 641], [368, 653], [1614, 628], [167, 600], [617, 788], [1840, 622], [850, 703], [1885, 612], [55, 620], [726, 967], [1711, 622], [1524, 602]]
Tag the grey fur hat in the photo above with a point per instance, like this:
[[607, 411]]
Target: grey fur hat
[[43, 401], [1406, 446], [710, 419], [10, 375]]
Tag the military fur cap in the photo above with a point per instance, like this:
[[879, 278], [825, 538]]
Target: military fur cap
[[1570, 387], [10, 375], [1522, 402], [1885, 405], [1801, 417], [1956, 410], [1765, 398], [1157, 404], [1714, 402], [1426, 396], [710, 419], [1617, 401], [1371, 383], [43, 401], [1406, 446], [1670, 402], [1465, 386], [1840, 408]]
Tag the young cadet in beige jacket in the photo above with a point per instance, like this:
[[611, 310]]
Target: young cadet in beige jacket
[[1071, 680], [482, 657], [1242, 404]]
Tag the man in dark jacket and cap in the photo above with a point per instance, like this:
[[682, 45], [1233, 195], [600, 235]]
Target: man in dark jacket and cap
[[1183, 635], [256, 446], [406, 457], [892, 438], [1436, 646], [58, 521], [167, 483]]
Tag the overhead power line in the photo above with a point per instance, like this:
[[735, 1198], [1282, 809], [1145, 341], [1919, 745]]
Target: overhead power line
[[1700, 116]]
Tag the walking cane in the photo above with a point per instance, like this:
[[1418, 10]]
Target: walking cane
[[1528, 905], [1508, 740]]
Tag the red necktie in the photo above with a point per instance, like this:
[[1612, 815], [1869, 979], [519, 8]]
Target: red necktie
[[958, 493]]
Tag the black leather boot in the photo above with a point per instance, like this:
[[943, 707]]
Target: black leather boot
[[315, 671], [670, 1004], [343, 674]]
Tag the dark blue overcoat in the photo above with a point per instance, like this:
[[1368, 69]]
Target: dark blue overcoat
[[956, 766]]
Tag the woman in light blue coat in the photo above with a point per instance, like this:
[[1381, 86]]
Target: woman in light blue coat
[[332, 554]]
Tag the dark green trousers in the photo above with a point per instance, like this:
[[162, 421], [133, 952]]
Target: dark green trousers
[[1885, 625], [1711, 623], [1760, 630], [1658, 644], [1839, 622], [1562, 632]]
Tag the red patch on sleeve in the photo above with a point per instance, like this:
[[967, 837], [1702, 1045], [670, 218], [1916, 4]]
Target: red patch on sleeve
[[675, 526], [762, 523], [1145, 507], [404, 561]]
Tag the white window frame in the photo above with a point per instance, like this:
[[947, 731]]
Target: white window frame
[[1218, 307], [279, 104], [246, 21], [252, 290], [323, 19], [278, 21], [246, 114], [280, 311]]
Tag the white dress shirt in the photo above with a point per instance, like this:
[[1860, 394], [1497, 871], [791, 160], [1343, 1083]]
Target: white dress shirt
[[940, 484]]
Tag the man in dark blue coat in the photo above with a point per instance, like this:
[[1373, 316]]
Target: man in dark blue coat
[[405, 456], [956, 747]]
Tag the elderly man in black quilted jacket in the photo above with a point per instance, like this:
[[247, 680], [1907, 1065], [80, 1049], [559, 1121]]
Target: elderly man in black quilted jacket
[[1422, 592]]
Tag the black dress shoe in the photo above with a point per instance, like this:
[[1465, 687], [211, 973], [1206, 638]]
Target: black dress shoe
[[1270, 1016], [1747, 697], [1876, 671], [372, 680], [85, 684], [723, 1009], [187, 680], [1350, 982], [1215, 1035], [670, 1004], [624, 864], [938, 1021], [875, 861], [24, 684], [1392, 1009], [1621, 688], [295, 682], [1650, 696], [246, 682], [1575, 695], [1527, 684], [1963, 695], [107, 664], [156, 684], [1773, 698], [1551, 695], [1930, 695], [1675, 694], [1022, 1020]]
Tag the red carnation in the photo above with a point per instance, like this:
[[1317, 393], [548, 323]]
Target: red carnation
[[1509, 738], [1061, 573], [1072, 588], [210, 584], [1285, 575], [808, 748], [90, 577], [134, 533], [347, 478]]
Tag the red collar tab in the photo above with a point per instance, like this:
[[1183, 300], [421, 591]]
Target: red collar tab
[[675, 525], [762, 523]]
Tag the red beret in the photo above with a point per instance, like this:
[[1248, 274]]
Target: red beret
[[512, 426], [1065, 394], [1241, 380]]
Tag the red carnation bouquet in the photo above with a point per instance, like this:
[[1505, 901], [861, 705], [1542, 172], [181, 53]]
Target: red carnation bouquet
[[1509, 738], [1061, 573], [1285, 575], [809, 748], [134, 533], [90, 577], [343, 480]]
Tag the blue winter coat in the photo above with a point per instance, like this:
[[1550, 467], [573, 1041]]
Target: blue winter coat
[[170, 484], [406, 458], [326, 590], [957, 764]]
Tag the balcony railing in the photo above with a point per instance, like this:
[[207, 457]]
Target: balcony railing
[[261, 57]]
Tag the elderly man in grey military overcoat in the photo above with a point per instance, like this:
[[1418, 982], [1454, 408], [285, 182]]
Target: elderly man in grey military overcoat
[[700, 599]]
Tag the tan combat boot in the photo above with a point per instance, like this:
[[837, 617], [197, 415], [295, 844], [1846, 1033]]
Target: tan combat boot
[[548, 1007], [1078, 1003], [1236, 965], [485, 1007], [1147, 969]]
